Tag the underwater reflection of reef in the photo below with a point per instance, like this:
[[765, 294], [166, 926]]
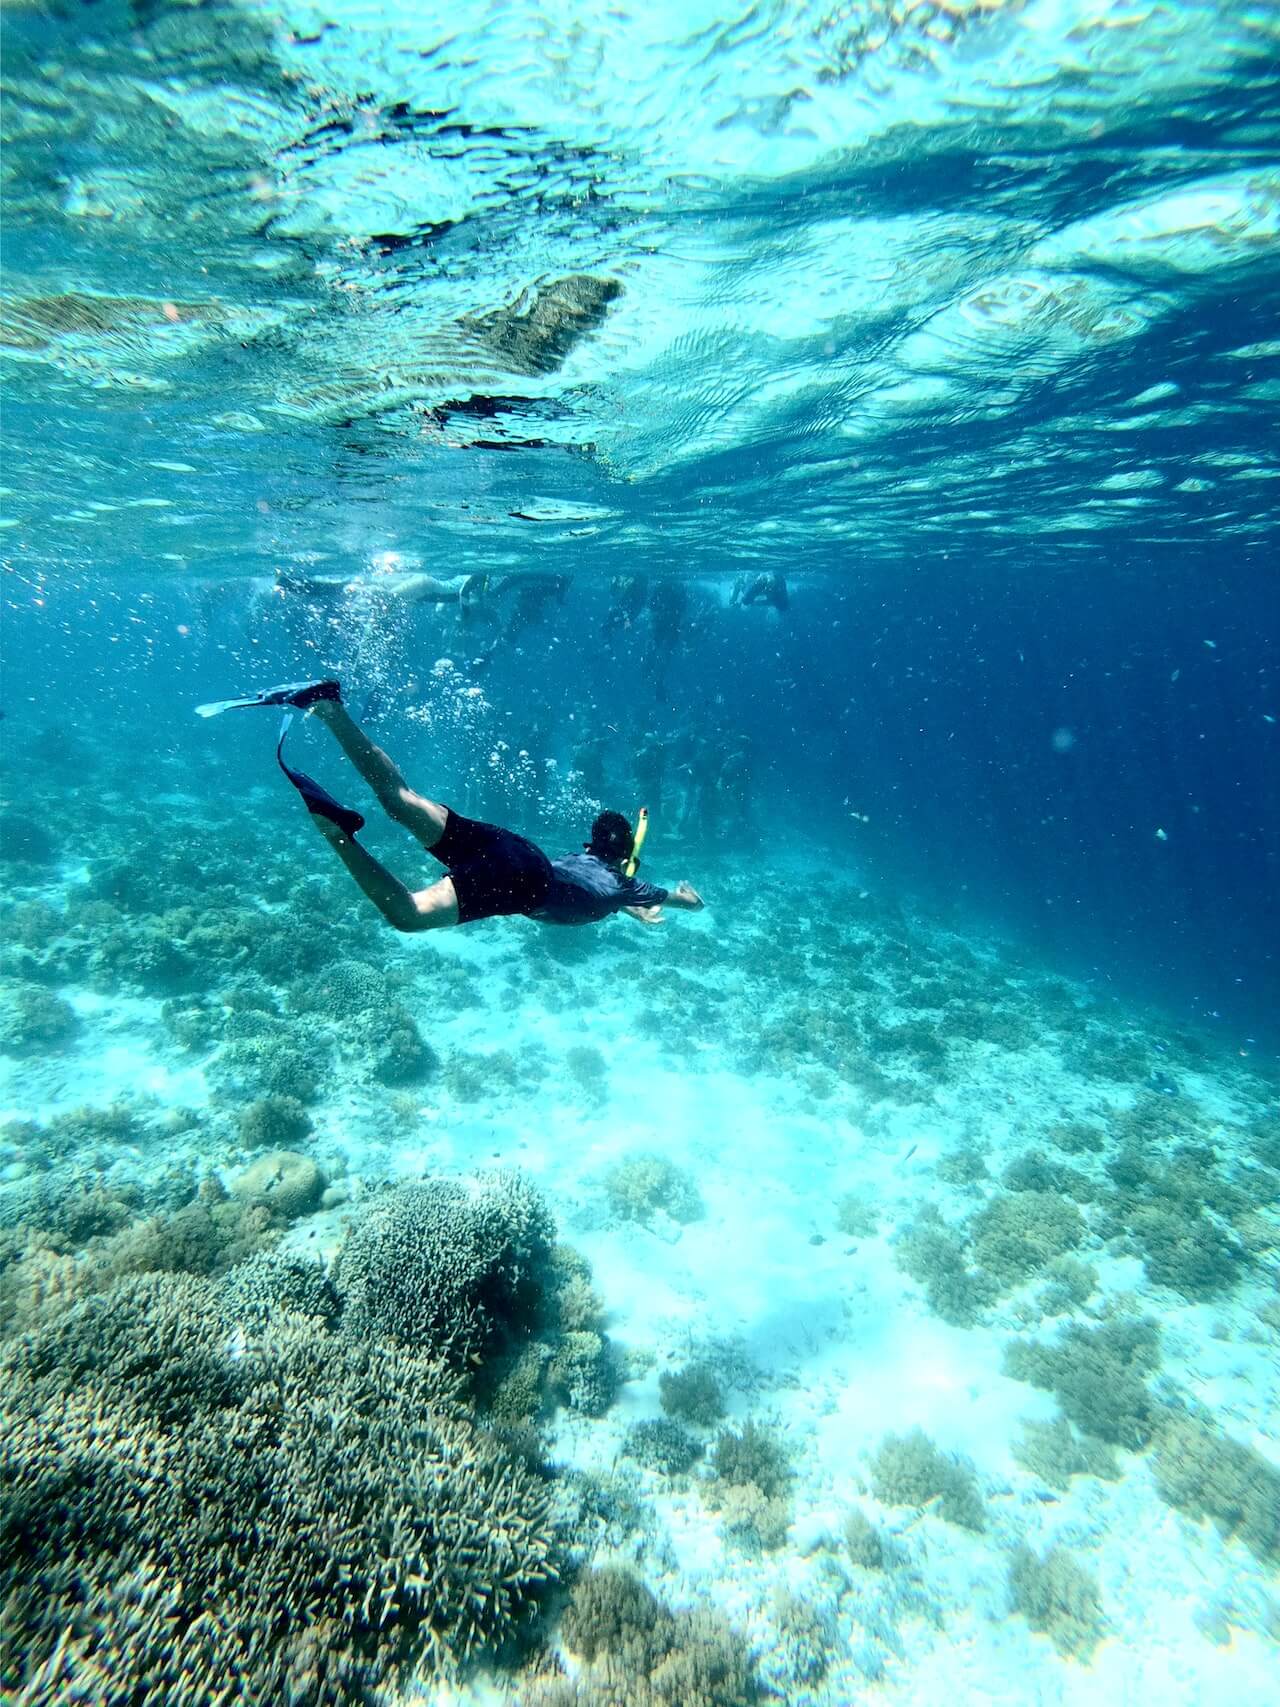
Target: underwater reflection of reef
[[534, 337]]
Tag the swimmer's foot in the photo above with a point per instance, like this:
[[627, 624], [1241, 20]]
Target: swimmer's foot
[[322, 806], [303, 695]]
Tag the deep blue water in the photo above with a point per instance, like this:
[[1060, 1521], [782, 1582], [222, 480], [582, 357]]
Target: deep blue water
[[1016, 749]]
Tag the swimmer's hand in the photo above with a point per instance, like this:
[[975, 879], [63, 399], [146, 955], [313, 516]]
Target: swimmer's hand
[[646, 915], [685, 895]]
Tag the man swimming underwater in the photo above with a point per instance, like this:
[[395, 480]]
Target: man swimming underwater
[[490, 871]]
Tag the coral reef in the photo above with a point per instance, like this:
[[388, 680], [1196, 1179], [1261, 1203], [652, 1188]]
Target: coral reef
[[1055, 1452], [660, 1444], [692, 1394], [156, 1465], [908, 1469], [1097, 1375], [274, 1123], [856, 1217], [641, 1185], [1015, 1236], [1205, 1473], [583, 1372], [282, 1181], [587, 1067], [640, 1654], [448, 1269], [1058, 1598], [862, 1542], [34, 1021], [25, 841]]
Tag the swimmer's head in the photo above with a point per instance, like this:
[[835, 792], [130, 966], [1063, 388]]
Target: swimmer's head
[[611, 838]]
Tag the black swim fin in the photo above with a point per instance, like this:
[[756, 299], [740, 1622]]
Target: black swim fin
[[318, 801], [299, 695]]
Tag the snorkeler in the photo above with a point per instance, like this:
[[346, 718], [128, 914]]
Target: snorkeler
[[408, 586], [769, 587], [534, 589], [491, 871], [628, 597]]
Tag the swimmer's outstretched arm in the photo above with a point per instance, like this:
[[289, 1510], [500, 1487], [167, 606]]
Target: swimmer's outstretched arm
[[684, 895]]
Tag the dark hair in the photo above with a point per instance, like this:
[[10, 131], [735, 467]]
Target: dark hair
[[611, 838]]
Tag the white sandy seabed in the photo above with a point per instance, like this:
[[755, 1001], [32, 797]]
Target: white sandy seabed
[[820, 1335]]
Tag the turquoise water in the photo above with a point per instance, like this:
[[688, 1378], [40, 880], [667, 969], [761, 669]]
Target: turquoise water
[[849, 434]]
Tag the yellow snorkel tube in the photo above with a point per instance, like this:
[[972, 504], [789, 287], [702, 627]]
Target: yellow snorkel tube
[[642, 830]]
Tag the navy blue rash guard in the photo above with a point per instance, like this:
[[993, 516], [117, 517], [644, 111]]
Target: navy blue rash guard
[[584, 889]]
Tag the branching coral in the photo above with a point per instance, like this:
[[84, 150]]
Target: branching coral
[[34, 1021], [862, 1542], [965, 1165], [692, 1394], [856, 1217], [448, 1269], [583, 1372], [908, 1469], [332, 1501], [275, 1062], [1058, 1598], [399, 1054], [274, 1123], [1186, 1251], [642, 1184], [750, 1486], [660, 1444], [1206, 1473], [267, 1283], [640, 1654], [753, 1455], [1097, 1375], [935, 1256], [1016, 1235], [1055, 1452], [755, 1521]]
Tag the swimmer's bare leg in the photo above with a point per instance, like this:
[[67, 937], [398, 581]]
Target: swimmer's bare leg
[[425, 819], [404, 909], [420, 589]]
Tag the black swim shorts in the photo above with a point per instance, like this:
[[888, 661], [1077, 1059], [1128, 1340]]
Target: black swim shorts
[[494, 871]]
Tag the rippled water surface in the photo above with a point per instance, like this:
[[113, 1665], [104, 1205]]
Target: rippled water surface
[[795, 283]]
